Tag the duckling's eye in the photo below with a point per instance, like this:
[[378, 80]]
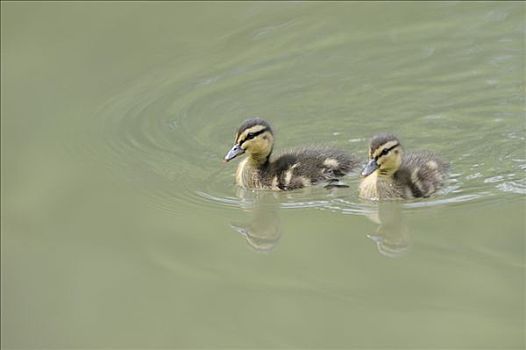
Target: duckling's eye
[[384, 152], [251, 135]]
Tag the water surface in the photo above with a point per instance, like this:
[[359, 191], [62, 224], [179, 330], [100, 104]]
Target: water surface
[[122, 228]]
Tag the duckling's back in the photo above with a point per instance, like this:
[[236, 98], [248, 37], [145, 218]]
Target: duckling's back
[[308, 166], [423, 172]]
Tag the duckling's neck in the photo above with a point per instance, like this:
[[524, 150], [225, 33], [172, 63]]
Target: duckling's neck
[[258, 160], [369, 187], [248, 174], [378, 185], [385, 173]]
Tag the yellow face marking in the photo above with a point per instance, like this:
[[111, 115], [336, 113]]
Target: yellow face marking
[[390, 162], [251, 130], [386, 145]]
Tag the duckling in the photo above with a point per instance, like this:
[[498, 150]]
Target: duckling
[[292, 170], [391, 174]]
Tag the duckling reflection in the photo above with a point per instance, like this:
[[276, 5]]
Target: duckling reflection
[[392, 235], [263, 231]]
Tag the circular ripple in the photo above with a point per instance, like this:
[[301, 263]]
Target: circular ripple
[[167, 133]]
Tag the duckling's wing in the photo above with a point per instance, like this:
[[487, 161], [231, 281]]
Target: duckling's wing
[[424, 172], [281, 172]]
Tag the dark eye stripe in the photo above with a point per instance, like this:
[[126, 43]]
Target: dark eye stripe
[[385, 151], [253, 134]]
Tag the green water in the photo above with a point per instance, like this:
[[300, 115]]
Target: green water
[[121, 228]]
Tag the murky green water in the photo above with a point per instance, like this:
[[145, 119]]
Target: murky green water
[[121, 228]]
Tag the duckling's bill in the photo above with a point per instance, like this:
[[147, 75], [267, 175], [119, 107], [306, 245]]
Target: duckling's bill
[[370, 167], [234, 152]]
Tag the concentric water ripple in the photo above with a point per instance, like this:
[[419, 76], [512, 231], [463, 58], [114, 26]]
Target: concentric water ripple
[[167, 132]]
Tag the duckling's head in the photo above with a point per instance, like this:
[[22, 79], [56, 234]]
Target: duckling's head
[[385, 155], [255, 138]]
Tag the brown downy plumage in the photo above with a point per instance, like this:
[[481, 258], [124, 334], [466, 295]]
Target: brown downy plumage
[[292, 170], [391, 174]]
